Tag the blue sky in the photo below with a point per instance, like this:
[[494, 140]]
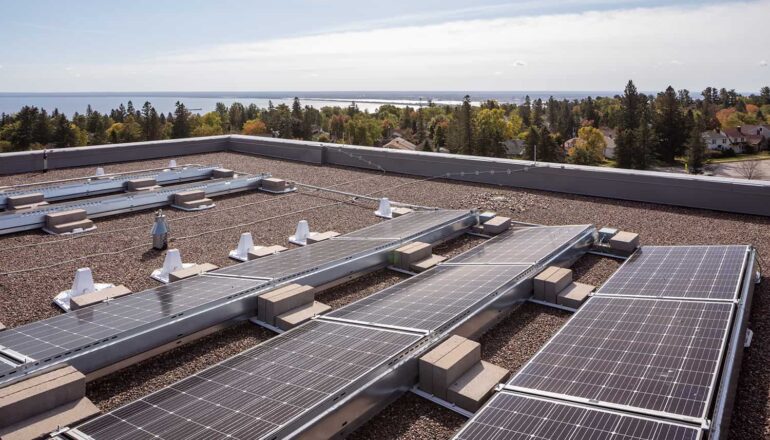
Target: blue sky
[[393, 45]]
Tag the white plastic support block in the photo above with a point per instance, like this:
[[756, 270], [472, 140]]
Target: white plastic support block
[[99, 172], [300, 236], [82, 284], [245, 244], [171, 263], [172, 163], [384, 210]]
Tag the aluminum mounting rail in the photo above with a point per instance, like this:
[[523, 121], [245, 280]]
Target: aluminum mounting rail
[[92, 185], [15, 221]]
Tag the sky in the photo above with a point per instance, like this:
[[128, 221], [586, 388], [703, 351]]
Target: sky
[[324, 45]]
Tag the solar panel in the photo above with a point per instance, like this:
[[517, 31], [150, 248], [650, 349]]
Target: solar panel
[[513, 416], [303, 260], [522, 245], [703, 272], [408, 225], [431, 299], [81, 328], [649, 354], [257, 392]]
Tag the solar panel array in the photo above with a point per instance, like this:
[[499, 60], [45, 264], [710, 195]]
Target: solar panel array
[[82, 328], [652, 341], [702, 272], [431, 299], [260, 390], [522, 245], [406, 226], [303, 260], [511, 416], [297, 374], [654, 355]]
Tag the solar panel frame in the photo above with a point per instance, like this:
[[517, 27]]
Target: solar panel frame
[[303, 260], [331, 366], [516, 416], [407, 226], [433, 299], [586, 308], [80, 330], [501, 249], [625, 282]]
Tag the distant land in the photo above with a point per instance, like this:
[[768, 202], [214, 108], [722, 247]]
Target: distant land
[[202, 102]]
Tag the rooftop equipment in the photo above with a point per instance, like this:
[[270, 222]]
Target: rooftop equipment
[[384, 210], [245, 244], [171, 263], [160, 231], [300, 235], [82, 284]]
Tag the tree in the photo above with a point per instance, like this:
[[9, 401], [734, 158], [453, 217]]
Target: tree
[[670, 126], [460, 130], [296, 120], [525, 111], [749, 169], [696, 150], [254, 127], [764, 95], [589, 147], [210, 124], [181, 122], [634, 134], [491, 130]]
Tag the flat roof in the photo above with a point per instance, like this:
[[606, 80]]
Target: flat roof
[[208, 236]]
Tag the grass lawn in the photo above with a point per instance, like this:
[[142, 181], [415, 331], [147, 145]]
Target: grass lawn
[[762, 155]]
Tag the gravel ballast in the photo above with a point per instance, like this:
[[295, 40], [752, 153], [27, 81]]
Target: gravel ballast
[[26, 296]]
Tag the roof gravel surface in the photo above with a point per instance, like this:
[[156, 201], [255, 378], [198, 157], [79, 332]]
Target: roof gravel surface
[[27, 296]]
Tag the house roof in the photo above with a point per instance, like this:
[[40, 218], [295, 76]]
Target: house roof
[[713, 134], [399, 143]]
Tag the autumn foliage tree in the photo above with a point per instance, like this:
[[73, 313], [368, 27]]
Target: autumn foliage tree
[[588, 148], [254, 127]]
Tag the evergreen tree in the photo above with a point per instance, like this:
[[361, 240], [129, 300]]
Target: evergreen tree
[[764, 95], [64, 136], [181, 127], [296, 120], [670, 126], [466, 122], [628, 142], [696, 149], [525, 111], [537, 113]]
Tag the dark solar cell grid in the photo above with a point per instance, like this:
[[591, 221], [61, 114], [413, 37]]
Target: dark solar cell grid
[[510, 416], [657, 355]]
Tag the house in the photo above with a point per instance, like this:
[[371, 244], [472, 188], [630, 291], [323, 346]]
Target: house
[[757, 136], [399, 143], [738, 141], [514, 147], [716, 140], [609, 141]]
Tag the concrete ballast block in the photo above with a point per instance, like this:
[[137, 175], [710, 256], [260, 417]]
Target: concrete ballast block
[[300, 315], [411, 253], [92, 298], [625, 241], [282, 300], [474, 387], [222, 173], [556, 283], [264, 251], [315, 237], [25, 200], [274, 184], [427, 263], [67, 221], [539, 282], [450, 367], [497, 225], [428, 361], [187, 196], [141, 184], [574, 295], [25, 399], [191, 271], [399, 211]]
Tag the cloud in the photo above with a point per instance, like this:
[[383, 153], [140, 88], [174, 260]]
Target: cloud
[[675, 63], [763, 63], [597, 50]]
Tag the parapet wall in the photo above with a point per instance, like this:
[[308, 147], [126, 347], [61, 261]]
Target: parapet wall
[[715, 193]]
